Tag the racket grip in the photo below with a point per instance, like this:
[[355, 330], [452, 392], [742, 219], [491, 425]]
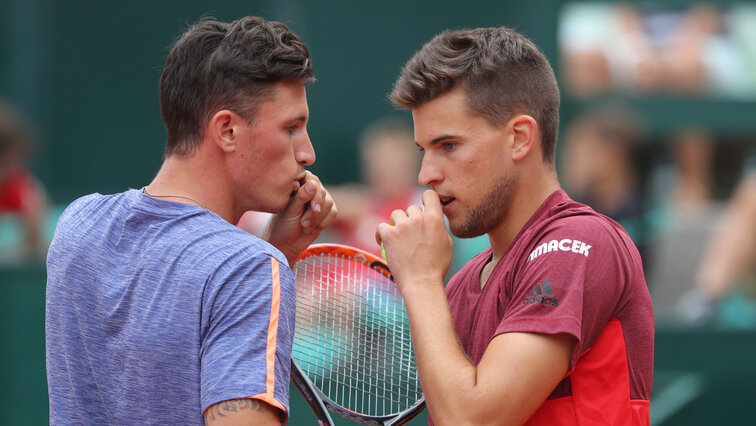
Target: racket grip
[[310, 394]]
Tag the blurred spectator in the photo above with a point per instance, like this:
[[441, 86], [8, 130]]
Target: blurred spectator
[[601, 46], [686, 212], [683, 187], [598, 168], [692, 187], [630, 48], [22, 197], [348, 227], [390, 163], [729, 256]]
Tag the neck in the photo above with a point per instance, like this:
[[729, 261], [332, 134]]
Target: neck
[[529, 195], [197, 176], [178, 196]]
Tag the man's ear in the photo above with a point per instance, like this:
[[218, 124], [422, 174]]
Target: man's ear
[[223, 129], [524, 135]]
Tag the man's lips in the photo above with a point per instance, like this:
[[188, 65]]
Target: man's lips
[[297, 184], [445, 201]]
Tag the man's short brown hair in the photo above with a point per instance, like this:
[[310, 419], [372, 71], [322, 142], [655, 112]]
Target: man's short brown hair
[[218, 65], [502, 73]]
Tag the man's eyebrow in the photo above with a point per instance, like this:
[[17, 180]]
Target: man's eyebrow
[[441, 138], [438, 140]]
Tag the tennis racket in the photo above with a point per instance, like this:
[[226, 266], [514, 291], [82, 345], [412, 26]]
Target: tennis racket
[[352, 349]]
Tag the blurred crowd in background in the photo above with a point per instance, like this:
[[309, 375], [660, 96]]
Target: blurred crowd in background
[[695, 230], [703, 48]]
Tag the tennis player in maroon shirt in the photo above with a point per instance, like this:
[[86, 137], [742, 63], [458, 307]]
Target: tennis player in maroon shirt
[[551, 325]]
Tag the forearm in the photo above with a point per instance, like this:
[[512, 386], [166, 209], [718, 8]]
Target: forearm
[[728, 256], [448, 378], [514, 377], [291, 255], [732, 249]]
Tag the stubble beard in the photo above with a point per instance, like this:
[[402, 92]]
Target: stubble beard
[[489, 213]]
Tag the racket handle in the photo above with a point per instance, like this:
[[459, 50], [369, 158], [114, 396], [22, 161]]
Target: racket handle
[[308, 391]]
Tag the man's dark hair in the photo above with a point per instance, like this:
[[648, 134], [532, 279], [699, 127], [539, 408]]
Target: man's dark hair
[[217, 65], [501, 72]]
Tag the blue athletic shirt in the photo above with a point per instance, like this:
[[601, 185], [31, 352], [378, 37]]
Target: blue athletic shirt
[[157, 310]]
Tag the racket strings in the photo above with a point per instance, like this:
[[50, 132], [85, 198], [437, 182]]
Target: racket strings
[[352, 336]]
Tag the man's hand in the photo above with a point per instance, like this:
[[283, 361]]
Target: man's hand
[[417, 244], [310, 210]]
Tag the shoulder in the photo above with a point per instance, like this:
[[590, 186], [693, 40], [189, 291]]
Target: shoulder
[[561, 217], [232, 258], [579, 232], [583, 223], [90, 212], [96, 202], [81, 204], [573, 218], [237, 246]]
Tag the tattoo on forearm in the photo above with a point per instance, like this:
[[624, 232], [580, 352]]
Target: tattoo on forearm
[[222, 409]]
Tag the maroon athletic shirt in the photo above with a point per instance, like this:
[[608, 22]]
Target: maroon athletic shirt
[[569, 270]]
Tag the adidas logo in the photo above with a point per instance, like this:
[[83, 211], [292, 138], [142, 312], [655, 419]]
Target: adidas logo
[[541, 294]]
